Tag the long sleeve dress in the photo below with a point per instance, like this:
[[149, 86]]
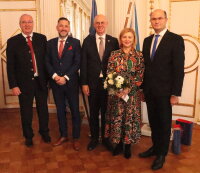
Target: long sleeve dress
[[123, 119]]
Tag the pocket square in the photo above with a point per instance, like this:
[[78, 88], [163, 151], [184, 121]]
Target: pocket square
[[70, 48]]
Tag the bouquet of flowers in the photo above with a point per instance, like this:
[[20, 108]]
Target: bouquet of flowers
[[116, 82]]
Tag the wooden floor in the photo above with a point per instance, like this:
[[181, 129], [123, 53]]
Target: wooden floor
[[44, 158]]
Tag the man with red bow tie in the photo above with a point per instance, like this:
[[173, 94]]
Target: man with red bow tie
[[63, 61]]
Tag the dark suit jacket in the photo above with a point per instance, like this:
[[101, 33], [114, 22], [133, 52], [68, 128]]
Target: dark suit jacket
[[19, 64], [91, 64], [164, 75], [68, 64]]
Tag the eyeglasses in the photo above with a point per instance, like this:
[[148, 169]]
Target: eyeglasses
[[159, 18], [100, 23], [28, 22]]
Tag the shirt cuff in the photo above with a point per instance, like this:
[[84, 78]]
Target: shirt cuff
[[66, 77], [54, 75]]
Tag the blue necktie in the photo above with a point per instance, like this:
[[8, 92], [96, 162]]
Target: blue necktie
[[154, 47]]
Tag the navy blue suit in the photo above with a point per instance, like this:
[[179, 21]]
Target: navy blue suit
[[68, 65]]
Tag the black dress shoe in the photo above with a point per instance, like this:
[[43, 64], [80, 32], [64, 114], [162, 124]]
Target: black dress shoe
[[29, 142], [147, 153], [158, 162], [118, 149], [127, 151], [107, 144], [92, 145], [46, 138]]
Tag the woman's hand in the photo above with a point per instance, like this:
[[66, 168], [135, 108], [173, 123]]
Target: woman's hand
[[123, 93]]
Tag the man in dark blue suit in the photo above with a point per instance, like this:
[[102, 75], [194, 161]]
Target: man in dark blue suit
[[163, 80], [63, 61]]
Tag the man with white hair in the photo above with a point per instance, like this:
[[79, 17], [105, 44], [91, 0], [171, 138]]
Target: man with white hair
[[27, 77]]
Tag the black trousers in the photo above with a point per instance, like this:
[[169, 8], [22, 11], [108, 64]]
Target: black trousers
[[98, 103], [26, 108], [160, 118]]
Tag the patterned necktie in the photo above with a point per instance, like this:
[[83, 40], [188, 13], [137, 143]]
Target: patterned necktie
[[101, 48], [154, 47], [60, 48], [32, 52]]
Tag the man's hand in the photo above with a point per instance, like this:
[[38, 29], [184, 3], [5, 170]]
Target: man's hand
[[86, 90], [61, 81], [16, 91], [57, 78], [174, 100]]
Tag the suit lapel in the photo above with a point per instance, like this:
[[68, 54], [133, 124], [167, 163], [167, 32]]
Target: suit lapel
[[107, 47], [35, 45], [66, 46], [25, 45], [149, 42], [94, 44], [21, 37], [55, 47], [161, 44]]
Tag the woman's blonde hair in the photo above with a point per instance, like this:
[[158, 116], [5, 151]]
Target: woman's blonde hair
[[124, 31]]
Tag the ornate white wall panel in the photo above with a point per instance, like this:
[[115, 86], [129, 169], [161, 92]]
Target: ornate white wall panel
[[186, 14], [50, 12], [184, 19], [101, 4]]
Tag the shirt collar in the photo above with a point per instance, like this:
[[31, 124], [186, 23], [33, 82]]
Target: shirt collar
[[62, 38], [24, 35], [162, 33], [103, 36]]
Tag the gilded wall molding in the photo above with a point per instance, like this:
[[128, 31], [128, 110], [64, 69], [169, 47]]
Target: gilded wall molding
[[3, 45], [22, 9], [193, 106], [197, 57], [170, 9], [17, 0], [193, 66], [182, 0]]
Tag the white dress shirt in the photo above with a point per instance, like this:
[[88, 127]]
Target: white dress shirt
[[161, 34]]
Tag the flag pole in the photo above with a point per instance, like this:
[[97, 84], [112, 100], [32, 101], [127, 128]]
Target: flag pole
[[128, 14], [91, 31]]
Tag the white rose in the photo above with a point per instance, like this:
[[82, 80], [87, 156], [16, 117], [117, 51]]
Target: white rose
[[119, 79], [118, 85]]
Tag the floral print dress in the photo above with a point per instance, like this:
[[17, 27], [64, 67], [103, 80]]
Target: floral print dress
[[123, 119]]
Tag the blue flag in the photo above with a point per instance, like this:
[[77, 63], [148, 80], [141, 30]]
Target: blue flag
[[93, 14], [134, 24]]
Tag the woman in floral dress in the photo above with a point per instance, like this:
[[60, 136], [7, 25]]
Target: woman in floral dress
[[123, 118]]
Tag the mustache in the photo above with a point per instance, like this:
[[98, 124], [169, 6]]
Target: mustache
[[63, 31]]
